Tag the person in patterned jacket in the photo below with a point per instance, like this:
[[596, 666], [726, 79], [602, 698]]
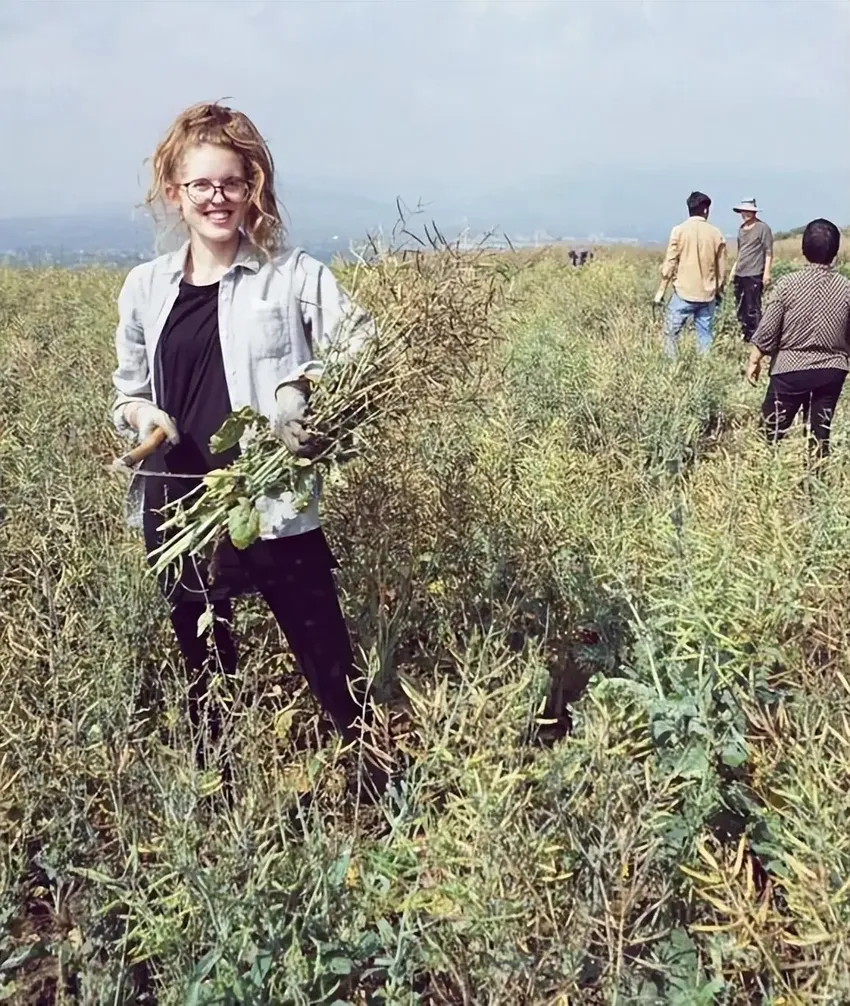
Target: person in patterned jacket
[[805, 330]]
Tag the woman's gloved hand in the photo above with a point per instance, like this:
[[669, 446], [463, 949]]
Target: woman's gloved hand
[[288, 422], [146, 418]]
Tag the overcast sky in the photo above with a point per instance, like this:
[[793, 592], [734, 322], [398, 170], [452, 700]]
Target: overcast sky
[[440, 94]]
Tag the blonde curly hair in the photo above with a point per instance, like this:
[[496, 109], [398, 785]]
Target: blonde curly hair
[[211, 122]]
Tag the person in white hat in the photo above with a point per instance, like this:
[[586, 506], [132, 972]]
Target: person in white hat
[[751, 270]]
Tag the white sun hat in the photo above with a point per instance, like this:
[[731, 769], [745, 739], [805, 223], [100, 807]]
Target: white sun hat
[[749, 205]]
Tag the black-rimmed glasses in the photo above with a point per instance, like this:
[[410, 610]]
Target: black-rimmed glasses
[[202, 190]]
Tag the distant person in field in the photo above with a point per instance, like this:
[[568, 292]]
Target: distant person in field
[[696, 264], [805, 331], [751, 270], [232, 319]]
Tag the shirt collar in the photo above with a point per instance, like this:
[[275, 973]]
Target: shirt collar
[[820, 267], [246, 258]]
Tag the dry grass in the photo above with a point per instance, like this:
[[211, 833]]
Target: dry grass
[[593, 524]]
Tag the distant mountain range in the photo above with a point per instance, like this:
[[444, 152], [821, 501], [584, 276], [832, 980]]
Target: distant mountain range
[[322, 220], [603, 204], [643, 205]]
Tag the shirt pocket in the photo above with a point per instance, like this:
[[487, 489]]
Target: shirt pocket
[[268, 330]]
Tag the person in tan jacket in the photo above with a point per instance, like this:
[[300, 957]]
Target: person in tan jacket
[[696, 264]]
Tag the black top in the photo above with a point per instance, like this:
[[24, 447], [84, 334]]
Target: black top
[[190, 382], [192, 388]]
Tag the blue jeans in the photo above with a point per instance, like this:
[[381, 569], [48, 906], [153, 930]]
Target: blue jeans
[[678, 312]]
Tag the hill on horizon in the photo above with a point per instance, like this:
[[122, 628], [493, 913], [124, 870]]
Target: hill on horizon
[[640, 206]]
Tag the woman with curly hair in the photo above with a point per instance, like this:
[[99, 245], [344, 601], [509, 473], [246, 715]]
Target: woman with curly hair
[[233, 318]]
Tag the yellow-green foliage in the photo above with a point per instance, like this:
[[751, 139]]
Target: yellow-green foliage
[[579, 520]]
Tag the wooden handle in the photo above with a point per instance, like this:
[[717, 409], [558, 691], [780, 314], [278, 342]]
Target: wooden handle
[[145, 448]]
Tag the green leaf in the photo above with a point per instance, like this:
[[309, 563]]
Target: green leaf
[[680, 958], [243, 523], [662, 731], [647, 993], [199, 973], [693, 995], [734, 753], [387, 933], [260, 968], [693, 764], [684, 979], [304, 485], [205, 620], [97, 877], [340, 965], [707, 995], [337, 872], [230, 432], [369, 945], [20, 955]]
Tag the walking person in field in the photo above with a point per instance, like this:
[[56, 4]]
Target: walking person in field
[[805, 331], [751, 269], [232, 319], [696, 265]]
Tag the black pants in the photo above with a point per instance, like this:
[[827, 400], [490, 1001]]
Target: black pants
[[295, 577], [816, 392], [748, 291]]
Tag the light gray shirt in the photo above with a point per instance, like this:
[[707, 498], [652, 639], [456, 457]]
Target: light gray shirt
[[275, 319], [755, 243]]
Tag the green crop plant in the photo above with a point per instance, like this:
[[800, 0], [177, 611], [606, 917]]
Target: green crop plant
[[609, 627]]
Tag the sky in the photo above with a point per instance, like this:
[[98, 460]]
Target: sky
[[423, 98]]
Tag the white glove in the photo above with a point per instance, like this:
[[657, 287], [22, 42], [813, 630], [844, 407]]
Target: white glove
[[288, 420], [146, 418]]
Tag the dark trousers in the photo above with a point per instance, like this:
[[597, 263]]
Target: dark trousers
[[748, 292], [816, 392], [295, 578]]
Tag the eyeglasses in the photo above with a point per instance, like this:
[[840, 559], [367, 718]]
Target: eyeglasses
[[202, 190]]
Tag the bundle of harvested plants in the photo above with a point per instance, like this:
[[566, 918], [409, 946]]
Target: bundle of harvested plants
[[433, 313]]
